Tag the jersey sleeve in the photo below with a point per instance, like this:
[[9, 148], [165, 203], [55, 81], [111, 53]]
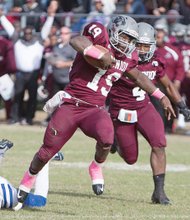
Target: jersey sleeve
[[96, 33], [161, 66]]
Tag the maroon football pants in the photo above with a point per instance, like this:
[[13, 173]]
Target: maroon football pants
[[94, 122], [149, 124]]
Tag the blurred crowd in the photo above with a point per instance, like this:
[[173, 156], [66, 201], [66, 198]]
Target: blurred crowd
[[36, 55]]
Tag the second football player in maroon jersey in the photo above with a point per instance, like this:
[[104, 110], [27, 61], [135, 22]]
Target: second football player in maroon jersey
[[132, 111]]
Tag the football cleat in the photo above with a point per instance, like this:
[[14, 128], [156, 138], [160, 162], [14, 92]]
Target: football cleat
[[98, 189], [160, 198], [25, 186], [21, 196], [5, 145], [96, 175], [58, 156]]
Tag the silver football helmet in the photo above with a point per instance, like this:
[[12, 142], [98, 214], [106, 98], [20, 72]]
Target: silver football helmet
[[118, 26], [161, 24], [179, 31], [147, 35]]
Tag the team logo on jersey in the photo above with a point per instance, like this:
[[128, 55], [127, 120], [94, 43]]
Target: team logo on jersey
[[121, 65], [150, 74]]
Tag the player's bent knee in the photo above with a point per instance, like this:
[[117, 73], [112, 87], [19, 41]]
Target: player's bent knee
[[131, 160], [159, 150]]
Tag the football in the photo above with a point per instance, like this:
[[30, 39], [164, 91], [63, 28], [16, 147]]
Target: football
[[95, 62]]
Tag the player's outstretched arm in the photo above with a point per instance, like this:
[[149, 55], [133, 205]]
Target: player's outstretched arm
[[143, 82]]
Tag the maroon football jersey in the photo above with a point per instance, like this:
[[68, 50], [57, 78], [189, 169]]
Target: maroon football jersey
[[185, 51], [126, 94], [7, 59], [185, 85], [92, 84], [174, 61]]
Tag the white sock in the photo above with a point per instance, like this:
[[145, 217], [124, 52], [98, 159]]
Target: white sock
[[42, 182], [181, 121]]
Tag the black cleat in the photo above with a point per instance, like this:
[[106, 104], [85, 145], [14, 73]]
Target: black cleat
[[21, 196], [98, 189], [160, 198], [4, 146], [58, 156]]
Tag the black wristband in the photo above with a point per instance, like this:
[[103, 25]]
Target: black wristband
[[181, 105]]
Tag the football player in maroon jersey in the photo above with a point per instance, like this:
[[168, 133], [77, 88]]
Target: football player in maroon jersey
[[7, 65], [183, 43], [84, 97], [174, 67], [132, 111]]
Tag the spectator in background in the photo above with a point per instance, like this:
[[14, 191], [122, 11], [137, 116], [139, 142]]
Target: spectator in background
[[184, 10], [46, 81], [97, 14], [28, 55], [44, 4], [109, 7], [30, 7], [61, 60], [162, 6], [6, 5], [86, 5], [7, 65], [68, 5], [135, 7], [47, 77]]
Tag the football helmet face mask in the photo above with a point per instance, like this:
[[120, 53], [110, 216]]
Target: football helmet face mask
[[123, 33], [146, 44]]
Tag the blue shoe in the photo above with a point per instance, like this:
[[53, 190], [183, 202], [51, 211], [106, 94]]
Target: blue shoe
[[5, 145], [58, 156]]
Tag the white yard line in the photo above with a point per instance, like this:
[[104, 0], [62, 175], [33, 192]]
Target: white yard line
[[123, 166]]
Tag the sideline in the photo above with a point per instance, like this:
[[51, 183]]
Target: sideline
[[124, 166]]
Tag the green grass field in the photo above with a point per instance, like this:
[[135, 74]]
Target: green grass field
[[128, 189]]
